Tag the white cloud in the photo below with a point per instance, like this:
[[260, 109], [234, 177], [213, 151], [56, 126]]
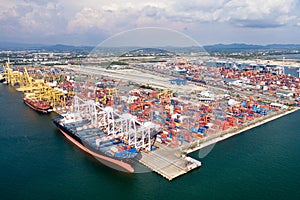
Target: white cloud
[[286, 19], [259, 13], [30, 18], [85, 19], [235, 11]]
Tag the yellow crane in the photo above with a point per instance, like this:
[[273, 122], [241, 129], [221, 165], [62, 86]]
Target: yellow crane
[[29, 83], [165, 93]]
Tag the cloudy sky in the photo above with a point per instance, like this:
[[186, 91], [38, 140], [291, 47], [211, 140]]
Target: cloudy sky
[[88, 22]]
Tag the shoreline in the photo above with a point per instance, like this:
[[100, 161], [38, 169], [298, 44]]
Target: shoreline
[[236, 132]]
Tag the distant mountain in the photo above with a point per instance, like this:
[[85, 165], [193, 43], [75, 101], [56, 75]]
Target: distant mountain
[[216, 47], [237, 46], [57, 47], [61, 47], [18, 46], [283, 46], [232, 47], [147, 52]]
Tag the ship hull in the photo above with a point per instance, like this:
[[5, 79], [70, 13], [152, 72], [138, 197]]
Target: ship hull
[[41, 110], [118, 164]]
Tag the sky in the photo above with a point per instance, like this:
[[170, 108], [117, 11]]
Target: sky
[[90, 22]]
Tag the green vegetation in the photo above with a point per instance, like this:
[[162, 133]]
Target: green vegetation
[[146, 87], [118, 63]]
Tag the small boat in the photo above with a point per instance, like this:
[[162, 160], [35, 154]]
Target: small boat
[[38, 105]]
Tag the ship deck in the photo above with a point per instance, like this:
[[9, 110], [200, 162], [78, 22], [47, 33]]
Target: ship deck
[[89, 136]]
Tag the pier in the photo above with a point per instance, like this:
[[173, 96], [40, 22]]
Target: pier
[[168, 162]]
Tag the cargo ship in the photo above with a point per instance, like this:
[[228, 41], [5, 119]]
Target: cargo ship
[[38, 105], [111, 151]]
